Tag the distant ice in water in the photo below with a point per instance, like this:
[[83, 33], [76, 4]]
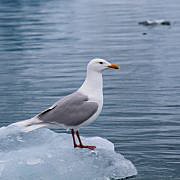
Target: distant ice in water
[[46, 155], [155, 22]]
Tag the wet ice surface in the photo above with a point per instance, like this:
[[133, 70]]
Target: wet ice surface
[[44, 155]]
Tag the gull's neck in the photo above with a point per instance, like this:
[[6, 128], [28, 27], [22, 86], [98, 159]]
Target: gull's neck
[[93, 84]]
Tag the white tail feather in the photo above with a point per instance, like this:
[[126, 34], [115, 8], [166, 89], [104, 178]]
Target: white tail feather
[[29, 124], [33, 127]]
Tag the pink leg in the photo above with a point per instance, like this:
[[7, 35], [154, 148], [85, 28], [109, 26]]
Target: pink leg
[[74, 140], [81, 145]]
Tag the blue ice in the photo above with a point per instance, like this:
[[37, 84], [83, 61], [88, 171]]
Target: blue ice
[[46, 155]]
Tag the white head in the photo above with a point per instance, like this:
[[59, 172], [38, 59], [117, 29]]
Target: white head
[[99, 65], [93, 83]]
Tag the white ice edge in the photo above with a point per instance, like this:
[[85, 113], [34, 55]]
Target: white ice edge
[[44, 154]]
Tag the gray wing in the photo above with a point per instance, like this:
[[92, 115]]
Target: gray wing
[[72, 110]]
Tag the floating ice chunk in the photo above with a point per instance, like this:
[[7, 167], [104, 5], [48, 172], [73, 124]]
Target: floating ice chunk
[[155, 22], [44, 154]]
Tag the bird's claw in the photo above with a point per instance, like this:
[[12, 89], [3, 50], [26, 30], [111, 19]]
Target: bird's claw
[[88, 147]]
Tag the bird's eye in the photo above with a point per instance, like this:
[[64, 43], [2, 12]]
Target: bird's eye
[[100, 62]]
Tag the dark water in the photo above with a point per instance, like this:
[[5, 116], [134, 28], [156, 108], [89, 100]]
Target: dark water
[[44, 49]]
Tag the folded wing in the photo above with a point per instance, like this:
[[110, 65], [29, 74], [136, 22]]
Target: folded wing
[[72, 110]]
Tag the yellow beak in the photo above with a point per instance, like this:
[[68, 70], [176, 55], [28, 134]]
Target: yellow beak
[[113, 66]]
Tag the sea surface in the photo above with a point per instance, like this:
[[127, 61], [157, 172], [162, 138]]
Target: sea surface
[[46, 45]]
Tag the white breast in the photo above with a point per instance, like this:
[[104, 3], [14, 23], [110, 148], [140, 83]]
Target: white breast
[[93, 88]]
